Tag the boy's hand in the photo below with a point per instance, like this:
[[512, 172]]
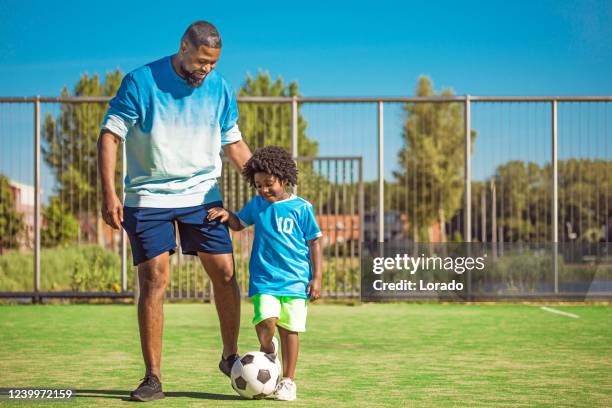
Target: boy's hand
[[314, 289], [218, 212]]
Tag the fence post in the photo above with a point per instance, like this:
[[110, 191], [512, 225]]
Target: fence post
[[494, 219], [37, 187], [381, 174], [294, 133], [467, 214], [361, 221], [294, 127], [555, 197]]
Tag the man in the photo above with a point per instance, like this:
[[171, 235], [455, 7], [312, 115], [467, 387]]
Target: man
[[174, 115]]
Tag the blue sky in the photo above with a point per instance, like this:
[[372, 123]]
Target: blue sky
[[537, 47], [331, 48]]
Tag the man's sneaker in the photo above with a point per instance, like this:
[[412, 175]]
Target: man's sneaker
[[149, 389], [286, 390], [226, 364], [274, 356]]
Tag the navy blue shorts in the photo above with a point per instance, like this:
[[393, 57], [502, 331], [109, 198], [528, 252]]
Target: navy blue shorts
[[152, 231]]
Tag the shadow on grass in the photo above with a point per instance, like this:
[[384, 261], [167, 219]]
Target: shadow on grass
[[125, 395]]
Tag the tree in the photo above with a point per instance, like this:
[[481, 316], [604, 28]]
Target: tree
[[522, 202], [264, 124], [11, 221], [61, 226], [585, 199], [432, 159], [70, 147], [523, 195]]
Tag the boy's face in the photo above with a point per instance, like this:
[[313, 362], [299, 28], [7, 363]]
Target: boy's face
[[270, 187]]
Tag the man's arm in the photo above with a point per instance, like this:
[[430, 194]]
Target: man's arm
[[112, 208], [238, 152]]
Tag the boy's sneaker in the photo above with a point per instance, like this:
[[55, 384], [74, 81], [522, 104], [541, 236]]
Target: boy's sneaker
[[149, 389], [286, 390], [226, 364]]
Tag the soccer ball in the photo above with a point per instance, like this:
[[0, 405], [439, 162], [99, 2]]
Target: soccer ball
[[255, 375]]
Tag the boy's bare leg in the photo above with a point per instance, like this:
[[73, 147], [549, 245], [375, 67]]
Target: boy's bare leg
[[290, 346], [265, 331]]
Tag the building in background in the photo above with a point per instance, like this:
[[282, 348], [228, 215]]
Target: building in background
[[339, 229], [23, 201]]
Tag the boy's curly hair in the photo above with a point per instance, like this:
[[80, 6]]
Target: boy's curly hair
[[272, 160]]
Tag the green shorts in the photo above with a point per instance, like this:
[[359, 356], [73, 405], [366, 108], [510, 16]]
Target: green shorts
[[290, 310]]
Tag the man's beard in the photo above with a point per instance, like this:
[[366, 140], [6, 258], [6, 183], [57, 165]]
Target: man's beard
[[192, 79]]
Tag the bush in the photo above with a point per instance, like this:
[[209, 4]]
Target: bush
[[61, 227], [11, 221], [519, 272], [74, 267]]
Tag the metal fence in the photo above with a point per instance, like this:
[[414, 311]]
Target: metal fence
[[429, 169]]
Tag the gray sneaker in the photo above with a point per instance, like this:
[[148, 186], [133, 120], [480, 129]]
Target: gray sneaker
[[226, 364], [150, 389]]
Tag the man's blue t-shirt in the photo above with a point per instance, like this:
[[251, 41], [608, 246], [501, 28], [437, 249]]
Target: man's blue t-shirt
[[280, 257], [173, 135]]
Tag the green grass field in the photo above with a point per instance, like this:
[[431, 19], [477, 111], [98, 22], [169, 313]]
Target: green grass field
[[424, 355]]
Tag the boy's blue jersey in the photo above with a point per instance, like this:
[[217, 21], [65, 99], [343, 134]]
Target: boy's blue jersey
[[280, 258]]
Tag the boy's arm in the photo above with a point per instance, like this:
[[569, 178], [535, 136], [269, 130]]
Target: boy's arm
[[234, 222], [226, 216], [316, 259]]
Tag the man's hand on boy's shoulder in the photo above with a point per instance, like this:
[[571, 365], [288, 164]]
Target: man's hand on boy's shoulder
[[218, 212], [314, 289]]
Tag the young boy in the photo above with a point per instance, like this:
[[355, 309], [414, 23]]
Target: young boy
[[285, 266]]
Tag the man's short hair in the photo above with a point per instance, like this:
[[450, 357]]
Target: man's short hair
[[203, 33]]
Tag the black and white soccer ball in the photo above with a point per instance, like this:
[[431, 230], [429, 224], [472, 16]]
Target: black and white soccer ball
[[255, 375]]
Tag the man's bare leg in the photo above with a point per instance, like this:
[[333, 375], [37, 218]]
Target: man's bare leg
[[153, 276], [220, 269]]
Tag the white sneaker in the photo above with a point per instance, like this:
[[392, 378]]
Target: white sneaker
[[286, 390]]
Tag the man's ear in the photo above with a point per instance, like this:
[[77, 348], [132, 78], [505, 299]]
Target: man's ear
[[184, 47]]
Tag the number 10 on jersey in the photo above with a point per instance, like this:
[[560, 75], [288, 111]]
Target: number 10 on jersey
[[284, 225]]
